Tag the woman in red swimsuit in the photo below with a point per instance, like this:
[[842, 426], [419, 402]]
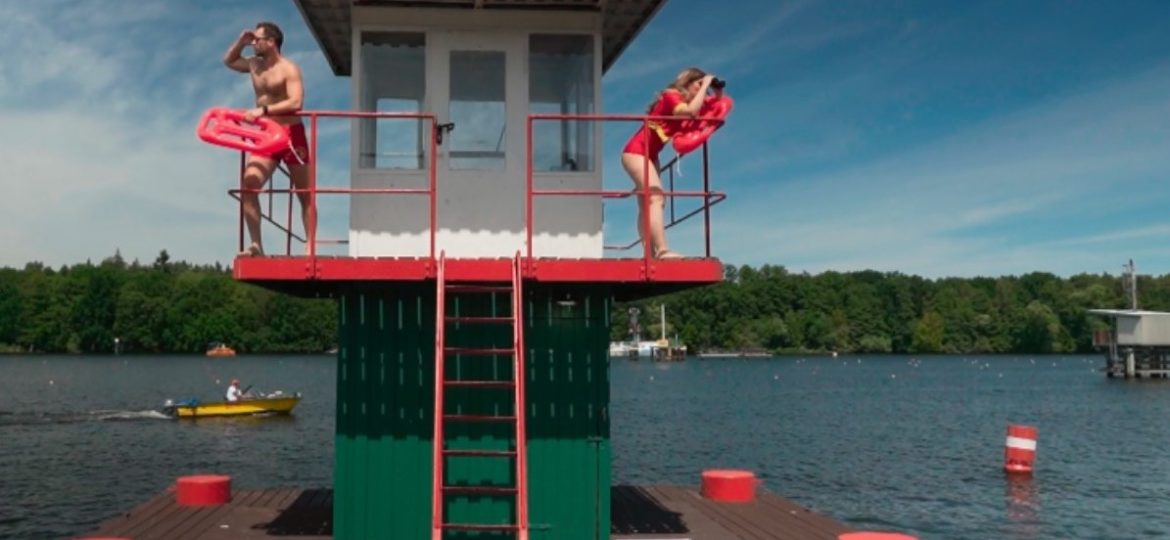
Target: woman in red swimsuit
[[682, 98]]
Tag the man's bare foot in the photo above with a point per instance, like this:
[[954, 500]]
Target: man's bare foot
[[667, 254], [253, 250]]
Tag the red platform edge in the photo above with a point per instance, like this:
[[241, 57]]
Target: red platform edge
[[480, 270]]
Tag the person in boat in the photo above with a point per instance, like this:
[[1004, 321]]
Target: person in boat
[[233, 391], [683, 97], [279, 93]]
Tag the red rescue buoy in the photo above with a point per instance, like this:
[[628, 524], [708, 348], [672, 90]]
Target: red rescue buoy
[[1020, 449], [729, 485], [229, 128], [870, 535], [203, 490], [696, 132]]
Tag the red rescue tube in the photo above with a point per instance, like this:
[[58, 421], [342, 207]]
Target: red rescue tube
[[696, 132], [729, 485], [228, 128], [203, 490]]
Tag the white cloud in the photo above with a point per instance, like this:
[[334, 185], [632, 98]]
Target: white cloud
[[1007, 196], [83, 185], [711, 47], [98, 104]]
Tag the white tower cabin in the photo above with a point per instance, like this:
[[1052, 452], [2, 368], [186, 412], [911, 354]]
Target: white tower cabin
[[452, 150], [480, 67], [476, 178]]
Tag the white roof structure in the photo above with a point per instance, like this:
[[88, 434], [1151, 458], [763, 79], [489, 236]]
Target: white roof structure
[[330, 23], [1139, 327]]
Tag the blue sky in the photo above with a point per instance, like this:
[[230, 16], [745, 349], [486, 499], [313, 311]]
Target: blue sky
[[930, 138]]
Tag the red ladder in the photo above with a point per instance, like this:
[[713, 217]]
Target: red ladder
[[439, 488]]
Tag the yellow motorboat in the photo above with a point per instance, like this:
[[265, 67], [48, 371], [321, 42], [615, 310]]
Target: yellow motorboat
[[275, 403]]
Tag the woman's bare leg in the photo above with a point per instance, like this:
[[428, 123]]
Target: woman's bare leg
[[637, 166]]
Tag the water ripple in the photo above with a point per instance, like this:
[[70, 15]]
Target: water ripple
[[919, 452]]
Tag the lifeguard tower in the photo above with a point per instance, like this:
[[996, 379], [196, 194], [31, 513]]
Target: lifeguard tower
[[1137, 341], [475, 288]]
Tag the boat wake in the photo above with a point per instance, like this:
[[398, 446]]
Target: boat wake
[[33, 418], [107, 416]]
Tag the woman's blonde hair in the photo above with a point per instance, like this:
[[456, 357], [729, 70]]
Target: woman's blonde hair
[[680, 84]]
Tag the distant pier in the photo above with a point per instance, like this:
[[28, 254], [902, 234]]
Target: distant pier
[[1137, 344]]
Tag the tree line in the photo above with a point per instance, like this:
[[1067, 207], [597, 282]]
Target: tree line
[[771, 309], [176, 307], [163, 307]]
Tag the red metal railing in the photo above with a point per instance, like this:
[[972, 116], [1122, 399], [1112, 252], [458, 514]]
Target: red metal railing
[[312, 241], [709, 197]]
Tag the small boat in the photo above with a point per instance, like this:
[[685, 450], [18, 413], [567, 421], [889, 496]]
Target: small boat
[[274, 403], [219, 349]]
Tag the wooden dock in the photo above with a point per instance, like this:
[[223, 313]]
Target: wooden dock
[[662, 512]]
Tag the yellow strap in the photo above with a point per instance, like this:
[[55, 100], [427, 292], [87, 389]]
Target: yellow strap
[[661, 131]]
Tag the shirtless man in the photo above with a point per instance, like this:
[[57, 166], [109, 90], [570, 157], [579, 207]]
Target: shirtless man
[[279, 93]]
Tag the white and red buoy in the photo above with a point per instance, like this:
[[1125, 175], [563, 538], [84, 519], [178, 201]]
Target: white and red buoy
[[1020, 449]]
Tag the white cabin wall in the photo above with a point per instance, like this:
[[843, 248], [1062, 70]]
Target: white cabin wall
[[478, 219]]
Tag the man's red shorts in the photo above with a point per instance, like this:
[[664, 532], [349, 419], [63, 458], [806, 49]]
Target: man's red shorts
[[297, 152]]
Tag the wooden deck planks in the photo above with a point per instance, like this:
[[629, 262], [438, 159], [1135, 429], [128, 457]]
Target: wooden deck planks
[[770, 517], [764, 520], [638, 513]]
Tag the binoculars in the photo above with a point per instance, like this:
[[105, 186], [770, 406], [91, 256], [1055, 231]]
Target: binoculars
[[718, 83]]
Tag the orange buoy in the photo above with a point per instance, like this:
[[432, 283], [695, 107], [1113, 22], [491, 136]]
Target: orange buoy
[[726, 485], [203, 490], [1020, 449], [870, 535]]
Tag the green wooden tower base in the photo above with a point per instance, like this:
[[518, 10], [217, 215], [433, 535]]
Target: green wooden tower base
[[385, 408]]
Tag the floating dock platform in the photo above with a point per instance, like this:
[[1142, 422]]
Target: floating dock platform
[[661, 512]]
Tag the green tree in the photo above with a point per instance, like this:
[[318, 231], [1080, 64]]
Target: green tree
[[928, 334]]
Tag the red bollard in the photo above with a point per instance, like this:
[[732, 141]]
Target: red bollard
[[203, 490], [870, 535], [729, 485], [1020, 449]]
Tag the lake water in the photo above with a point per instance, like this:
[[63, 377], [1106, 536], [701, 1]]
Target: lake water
[[896, 443]]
